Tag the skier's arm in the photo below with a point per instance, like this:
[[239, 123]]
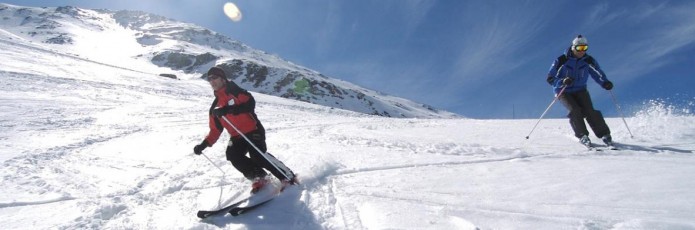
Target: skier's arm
[[596, 73], [246, 104], [552, 78], [215, 130]]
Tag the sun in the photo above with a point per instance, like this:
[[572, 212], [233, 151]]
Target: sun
[[232, 11]]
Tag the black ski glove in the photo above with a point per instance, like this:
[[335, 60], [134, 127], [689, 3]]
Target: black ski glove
[[608, 85], [232, 109], [567, 81], [221, 111], [198, 149]]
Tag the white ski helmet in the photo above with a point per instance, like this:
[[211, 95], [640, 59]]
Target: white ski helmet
[[580, 40]]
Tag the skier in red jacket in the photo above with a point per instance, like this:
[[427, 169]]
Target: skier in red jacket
[[235, 105]]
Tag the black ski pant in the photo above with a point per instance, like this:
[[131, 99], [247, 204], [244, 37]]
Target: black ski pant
[[253, 165], [580, 106]]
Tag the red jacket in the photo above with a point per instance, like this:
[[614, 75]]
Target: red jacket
[[244, 119]]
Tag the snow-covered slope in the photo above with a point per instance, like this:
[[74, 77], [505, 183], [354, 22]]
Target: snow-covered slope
[[158, 45], [91, 145]]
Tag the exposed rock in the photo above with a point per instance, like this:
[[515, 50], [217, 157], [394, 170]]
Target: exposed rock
[[182, 61]]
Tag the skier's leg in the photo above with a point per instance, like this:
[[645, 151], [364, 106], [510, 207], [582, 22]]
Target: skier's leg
[[281, 166], [598, 123], [272, 164], [575, 114], [236, 153], [593, 116]]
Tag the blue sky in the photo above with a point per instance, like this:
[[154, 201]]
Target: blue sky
[[481, 59]]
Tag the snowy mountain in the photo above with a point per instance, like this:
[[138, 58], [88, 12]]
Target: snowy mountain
[[101, 142], [133, 40]]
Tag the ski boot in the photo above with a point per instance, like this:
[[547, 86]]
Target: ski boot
[[258, 184], [607, 140], [585, 141]]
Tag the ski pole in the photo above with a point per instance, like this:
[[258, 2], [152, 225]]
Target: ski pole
[[546, 110], [213, 163], [615, 102], [257, 149]]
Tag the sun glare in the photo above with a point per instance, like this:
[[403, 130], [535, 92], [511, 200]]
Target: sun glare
[[232, 11]]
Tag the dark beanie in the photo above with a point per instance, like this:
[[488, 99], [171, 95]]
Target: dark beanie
[[217, 71]]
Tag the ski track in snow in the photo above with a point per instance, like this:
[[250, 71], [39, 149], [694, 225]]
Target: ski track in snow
[[349, 211], [165, 182]]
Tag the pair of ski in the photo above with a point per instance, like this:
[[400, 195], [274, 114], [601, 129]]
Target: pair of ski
[[595, 147], [249, 203]]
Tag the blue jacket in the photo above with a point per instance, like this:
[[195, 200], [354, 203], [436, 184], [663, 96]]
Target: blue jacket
[[579, 69]]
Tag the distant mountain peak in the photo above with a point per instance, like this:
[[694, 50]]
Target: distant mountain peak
[[190, 48]]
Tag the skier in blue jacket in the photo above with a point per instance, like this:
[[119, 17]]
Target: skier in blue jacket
[[570, 72]]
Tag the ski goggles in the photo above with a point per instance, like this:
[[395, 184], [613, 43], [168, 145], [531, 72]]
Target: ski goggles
[[581, 47]]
